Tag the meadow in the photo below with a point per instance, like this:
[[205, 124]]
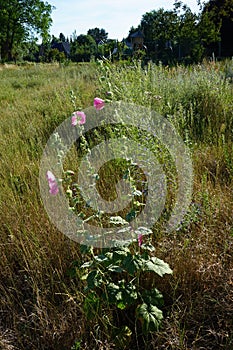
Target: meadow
[[42, 294]]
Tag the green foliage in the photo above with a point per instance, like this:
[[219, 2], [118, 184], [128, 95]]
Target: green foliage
[[83, 48], [98, 34], [179, 35], [19, 20], [170, 36], [77, 345], [219, 14], [201, 111], [115, 278], [54, 55], [159, 28], [150, 317]]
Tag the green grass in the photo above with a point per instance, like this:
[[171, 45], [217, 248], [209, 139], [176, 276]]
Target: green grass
[[41, 302]]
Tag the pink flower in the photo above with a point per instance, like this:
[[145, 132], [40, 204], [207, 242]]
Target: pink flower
[[75, 119], [98, 103], [140, 240], [53, 186], [50, 176]]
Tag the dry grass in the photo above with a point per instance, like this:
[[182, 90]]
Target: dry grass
[[41, 303]]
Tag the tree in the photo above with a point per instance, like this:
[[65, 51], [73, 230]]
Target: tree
[[189, 44], [98, 34], [83, 48], [220, 13], [21, 20], [160, 30], [62, 38], [181, 35], [28, 50]]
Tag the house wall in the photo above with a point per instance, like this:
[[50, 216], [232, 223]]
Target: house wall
[[137, 43]]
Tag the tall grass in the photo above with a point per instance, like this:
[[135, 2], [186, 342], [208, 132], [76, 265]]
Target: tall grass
[[33, 102], [197, 99], [41, 300]]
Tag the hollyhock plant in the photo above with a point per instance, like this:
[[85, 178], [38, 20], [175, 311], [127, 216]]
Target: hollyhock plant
[[98, 103], [78, 118], [53, 186], [140, 240]]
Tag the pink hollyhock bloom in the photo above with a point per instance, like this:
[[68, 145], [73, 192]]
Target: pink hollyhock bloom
[[74, 120], [78, 118], [53, 186], [140, 240], [50, 176], [98, 103]]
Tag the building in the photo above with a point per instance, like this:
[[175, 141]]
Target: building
[[63, 46], [137, 40]]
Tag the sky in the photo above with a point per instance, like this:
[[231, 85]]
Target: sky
[[115, 16]]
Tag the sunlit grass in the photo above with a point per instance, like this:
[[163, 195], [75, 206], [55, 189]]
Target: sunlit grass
[[41, 301]]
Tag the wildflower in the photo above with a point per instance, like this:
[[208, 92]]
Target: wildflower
[[140, 240], [53, 186], [75, 119], [98, 103], [50, 176]]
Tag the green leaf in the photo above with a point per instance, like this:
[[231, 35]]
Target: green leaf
[[149, 247], [104, 259], [153, 297], [129, 294], [117, 220], [131, 265], [115, 268], [84, 277], [137, 192], [86, 265], [93, 279], [121, 305], [158, 266], [113, 294], [131, 215], [150, 317], [143, 231], [119, 256]]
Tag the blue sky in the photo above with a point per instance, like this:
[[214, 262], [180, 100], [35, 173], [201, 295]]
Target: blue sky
[[115, 16]]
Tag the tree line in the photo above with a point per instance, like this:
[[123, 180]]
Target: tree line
[[169, 36]]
